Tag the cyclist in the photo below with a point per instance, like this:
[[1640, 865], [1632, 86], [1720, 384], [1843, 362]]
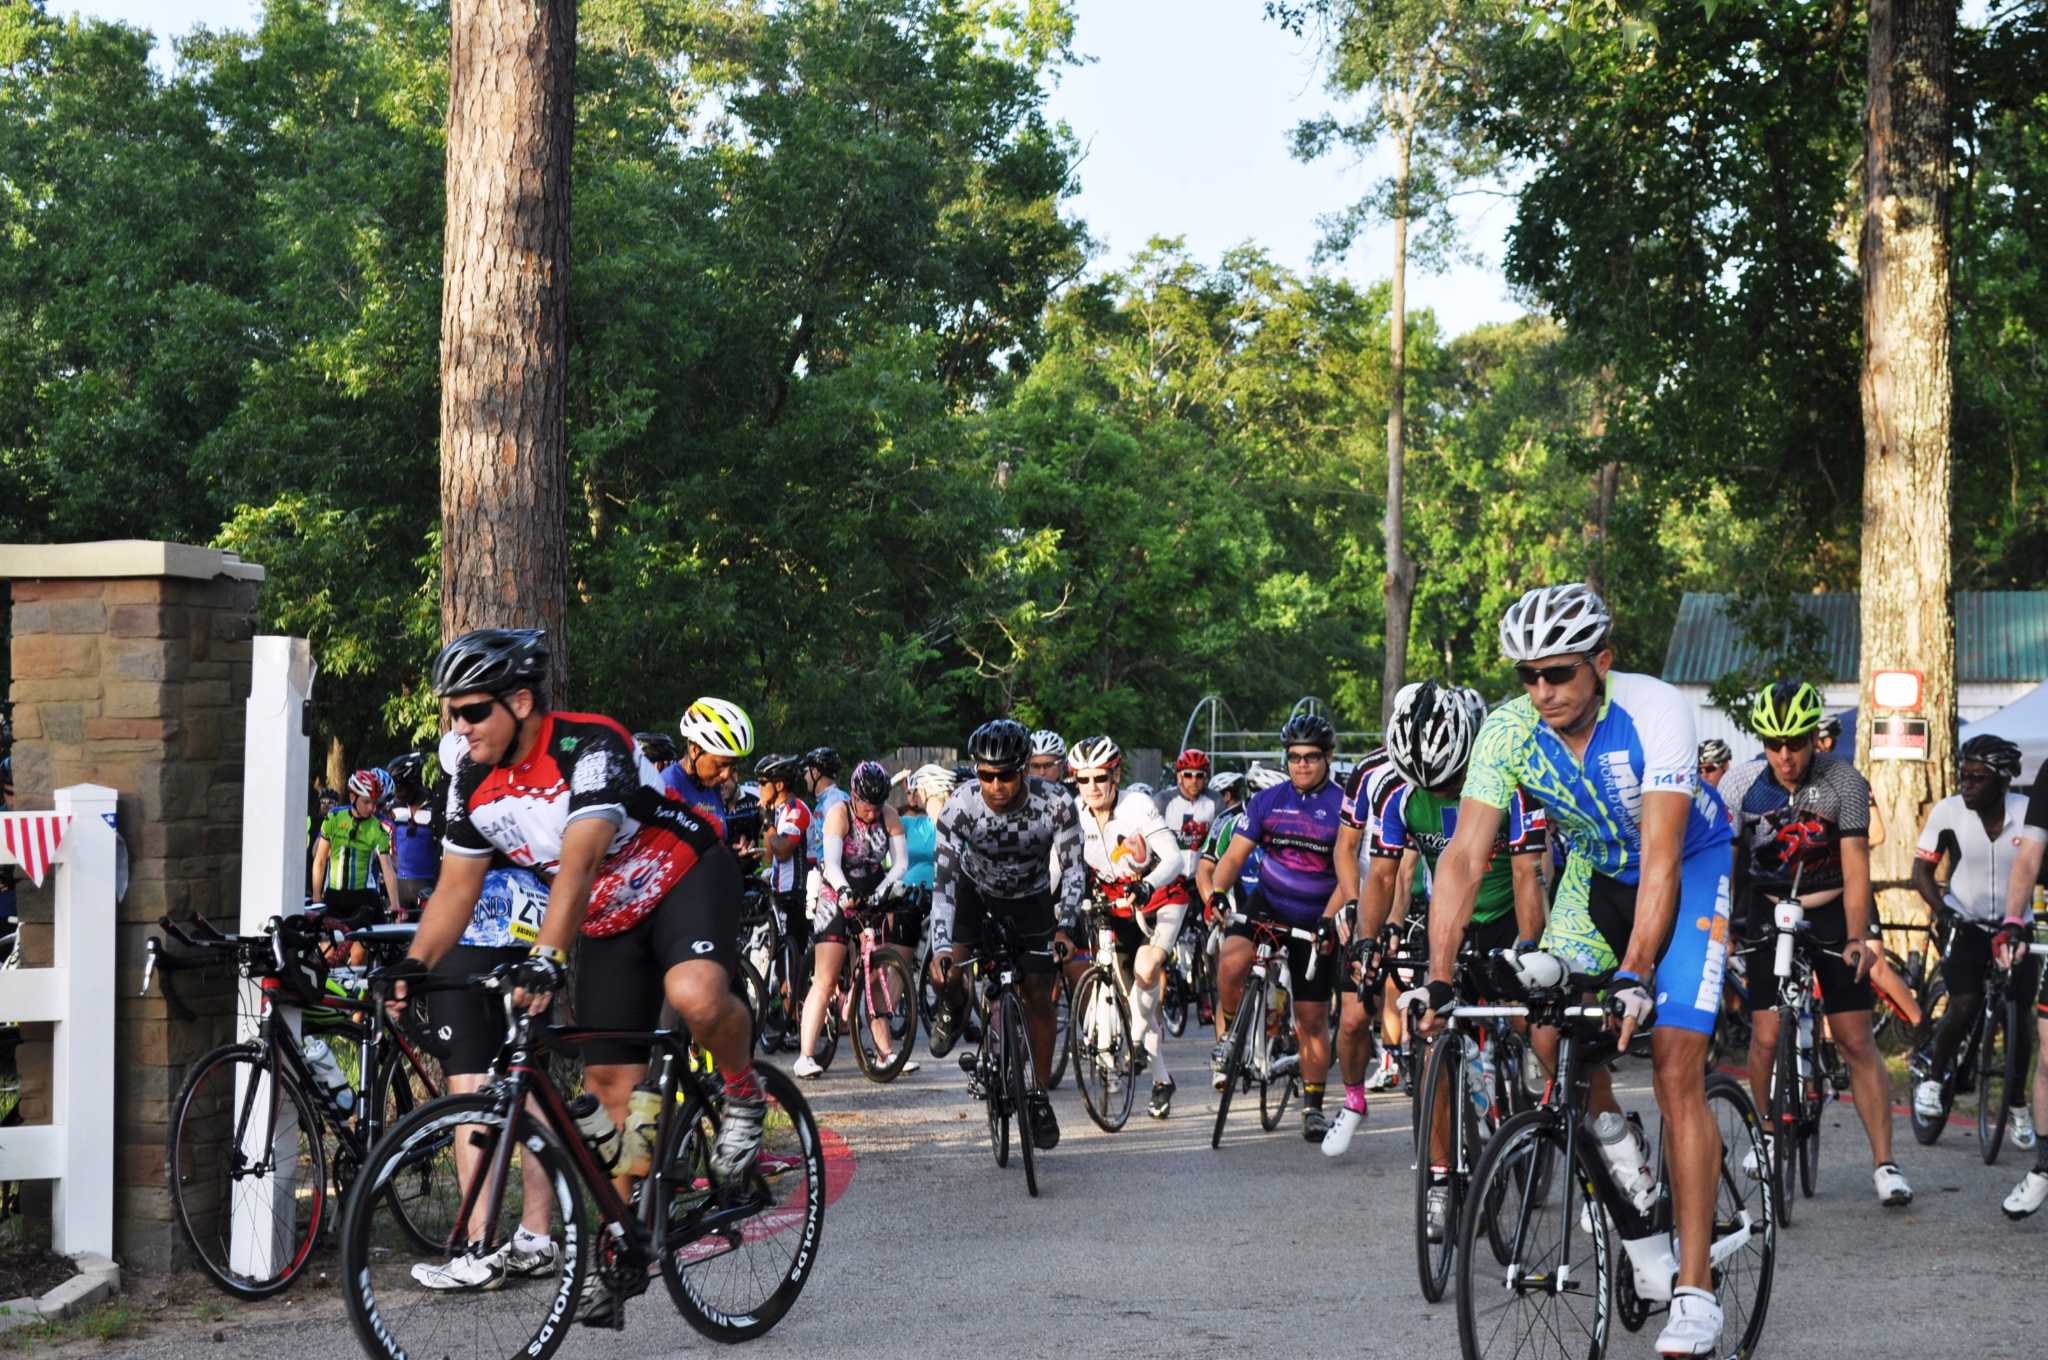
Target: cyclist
[[925, 792], [821, 766], [1294, 825], [1429, 744], [646, 880], [865, 856], [717, 734], [1354, 1055], [1612, 759], [1191, 809], [1048, 756], [1000, 839], [352, 839], [1715, 758], [1134, 859], [415, 844], [2032, 1192], [787, 823], [1824, 742], [1979, 831], [1800, 813], [659, 748]]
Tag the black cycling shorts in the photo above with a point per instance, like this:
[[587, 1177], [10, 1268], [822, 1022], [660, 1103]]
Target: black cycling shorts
[[1827, 927], [1311, 990], [620, 979], [1032, 920], [466, 1028]]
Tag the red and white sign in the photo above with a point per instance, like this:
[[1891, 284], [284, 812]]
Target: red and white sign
[[1898, 691], [31, 840]]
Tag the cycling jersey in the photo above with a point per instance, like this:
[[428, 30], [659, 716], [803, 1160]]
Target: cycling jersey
[[1008, 855], [863, 860], [1782, 832], [921, 836], [792, 818], [353, 844], [683, 788], [1297, 830], [583, 766], [1189, 820], [413, 841], [1219, 841], [1365, 778], [1405, 817], [1983, 863], [1109, 858], [814, 844]]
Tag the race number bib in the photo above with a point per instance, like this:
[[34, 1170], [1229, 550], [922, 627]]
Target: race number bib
[[529, 905]]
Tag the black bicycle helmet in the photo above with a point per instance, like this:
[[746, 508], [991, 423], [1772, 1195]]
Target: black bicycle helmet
[[658, 747], [824, 760], [780, 768], [492, 661], [1995, 751], [1309, 729], [870, 782], [1003, 743]]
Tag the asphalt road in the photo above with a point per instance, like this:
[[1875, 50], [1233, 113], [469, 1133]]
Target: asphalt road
[[1147, 1242]]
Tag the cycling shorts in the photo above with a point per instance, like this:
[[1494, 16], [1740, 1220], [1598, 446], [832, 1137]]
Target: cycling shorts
[[1312, 991], [1968, 961], [467, 1028], [1032, 918], [1827, 927], [1593, 916], [621, 979]]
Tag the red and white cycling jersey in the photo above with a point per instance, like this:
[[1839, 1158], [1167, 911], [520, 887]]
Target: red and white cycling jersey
[[583, 766], [792, 818]]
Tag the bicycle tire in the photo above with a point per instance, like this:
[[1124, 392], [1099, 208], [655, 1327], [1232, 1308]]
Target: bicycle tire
[[989, 1064], [1017, 1077], [827, 1046], [1741, 1131], [888, 976], [1175, 999], [1433, 1260], [206, 1189], [413, 1079], [1104, 1054], [1995, 1081], [1527, 1157], [753, 994], [1062, 1027], [1784, 1119], [1248, 1013], [1928, 1128], [787, 1183]]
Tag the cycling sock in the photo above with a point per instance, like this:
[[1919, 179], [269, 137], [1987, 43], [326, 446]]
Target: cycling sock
[[527, 1240], [1223, 1018], [1312, 1095], [1354, 1097], [1145, 1025], [743, 1084]]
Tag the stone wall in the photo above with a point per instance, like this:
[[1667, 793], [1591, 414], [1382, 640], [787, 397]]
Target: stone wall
[[139, 683]]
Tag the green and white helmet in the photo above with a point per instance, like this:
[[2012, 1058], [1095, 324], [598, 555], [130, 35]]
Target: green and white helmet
[[1789, 708], [719, 727]]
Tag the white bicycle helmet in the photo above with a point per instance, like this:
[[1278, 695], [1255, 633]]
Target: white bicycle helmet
[[1554, 621], [1429, 735], [934, 783], [1260, 778], [719, 727], [1095, 753], [1225, 782], [1046, 742]]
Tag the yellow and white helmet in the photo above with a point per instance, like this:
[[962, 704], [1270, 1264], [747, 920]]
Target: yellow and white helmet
[[719, 727]]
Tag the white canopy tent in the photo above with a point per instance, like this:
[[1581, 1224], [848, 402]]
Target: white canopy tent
[[2024, 722]]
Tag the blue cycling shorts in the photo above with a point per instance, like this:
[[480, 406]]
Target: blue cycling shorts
[[1592, 916]]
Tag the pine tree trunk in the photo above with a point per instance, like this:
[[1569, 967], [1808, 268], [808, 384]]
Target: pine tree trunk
[[1907, 390], [1400, 578], [504, 318]]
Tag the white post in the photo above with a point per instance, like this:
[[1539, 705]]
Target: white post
[[274, 774], [82, 1046]]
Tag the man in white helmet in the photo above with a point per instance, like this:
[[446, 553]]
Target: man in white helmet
[[717, 735]]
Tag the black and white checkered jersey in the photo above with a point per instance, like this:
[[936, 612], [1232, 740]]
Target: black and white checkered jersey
[[1776, 829], [1008, 854]]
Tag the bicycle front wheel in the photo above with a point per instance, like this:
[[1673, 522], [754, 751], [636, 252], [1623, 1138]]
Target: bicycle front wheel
[[1994, 1083], [1105, 1066], [884, 999], [244, 1152], [1016, 1076], [470, 1297], [1249, 1022], [735, 1257], [1745, 1243], [1784, 1118], [1062, 1026], [1442, 1095], [1550, 1300]]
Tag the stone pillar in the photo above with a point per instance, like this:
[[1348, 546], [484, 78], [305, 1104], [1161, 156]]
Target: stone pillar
[[130, 668]]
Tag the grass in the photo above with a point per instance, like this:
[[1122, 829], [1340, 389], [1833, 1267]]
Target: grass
[[114, 1320]]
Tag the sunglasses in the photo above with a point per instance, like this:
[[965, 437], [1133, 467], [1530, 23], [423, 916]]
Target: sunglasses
[[1090, 780], [998, 776], [475, 713], [1549, 675], [1193, 774], [1306, 757], [1787, 743]]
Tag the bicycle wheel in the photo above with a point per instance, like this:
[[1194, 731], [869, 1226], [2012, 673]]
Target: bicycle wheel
[[990, 1069], [735, 1257], [1017, 1083], [753, 994], [1550, 1300], [1444, 1082], [1784, 1118], [232, 1157], [412, 1078], [1276, 1092], [391, 1306], [889, 983], [1928, 1128], [1250, 1019], [1175, 998], [1062, 1026], [1994, 1082], [1745, 1243], [827, 1046], [1105, 1058]]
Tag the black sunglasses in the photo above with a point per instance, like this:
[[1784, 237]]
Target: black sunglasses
[[998, 776], [1090, 780], [1549, 675], [1787, 743], [474, 713]]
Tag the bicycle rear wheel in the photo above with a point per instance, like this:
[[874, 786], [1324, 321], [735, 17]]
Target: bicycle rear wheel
[[1105, 1058], [1995, 1082], [1062, 1026], [735, 1257], [1275, 1092], [1550, 1300], [1017, 1083], [1784, 1118], [1250, 1019], [412, 1079], [391, 1306], [1433, 1260], [889, 982], [231, 1157], [1745, 1239], [990, 1069]]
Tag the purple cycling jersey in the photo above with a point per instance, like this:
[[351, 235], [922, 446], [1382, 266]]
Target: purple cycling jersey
[[1297, 832]]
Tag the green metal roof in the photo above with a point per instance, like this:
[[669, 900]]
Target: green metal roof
[[2001, 635]]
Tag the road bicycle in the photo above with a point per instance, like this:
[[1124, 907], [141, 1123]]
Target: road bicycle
[[255, 1135], [764, 969], [1988, 1062], [1181, 990], [1262, 1049], [1801, 1084], [1001, 1074], [1536, 1269], [1105, 1048], [734, 1253], [874, 995]]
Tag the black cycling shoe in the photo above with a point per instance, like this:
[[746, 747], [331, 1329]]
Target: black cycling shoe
[[1045, 1127], [945, 1030], [1162, 1098], [970, 1058]]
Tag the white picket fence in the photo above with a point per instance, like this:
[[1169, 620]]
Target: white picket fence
[[76, 1148]]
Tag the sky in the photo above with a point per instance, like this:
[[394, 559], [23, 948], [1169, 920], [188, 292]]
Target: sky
[[1182, 113]]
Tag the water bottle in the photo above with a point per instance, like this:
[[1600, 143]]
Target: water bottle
[[597, 1129], [1627, 1159], [328, 1073], [643, 1118], [1478, 1078], [1805, 1046]]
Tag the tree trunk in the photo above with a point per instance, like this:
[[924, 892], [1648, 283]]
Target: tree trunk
[[1400, 579], [1907, 389], [504, 318]]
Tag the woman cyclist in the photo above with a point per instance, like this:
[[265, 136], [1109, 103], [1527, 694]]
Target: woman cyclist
[[864, 857]]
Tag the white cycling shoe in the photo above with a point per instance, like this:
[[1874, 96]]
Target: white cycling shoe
[[2021, 1130], [1338, 1140], [806, 1066], [1927, 1100], [1892, 1190], [1694, 1327], [2028, 1196]]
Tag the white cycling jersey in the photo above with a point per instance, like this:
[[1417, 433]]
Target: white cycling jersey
[[1189, 819], [1104, 848], [1983, 863]]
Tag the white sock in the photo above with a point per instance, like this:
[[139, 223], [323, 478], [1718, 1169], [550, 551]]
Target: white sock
[[527, 1240], [1145, 1029]]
